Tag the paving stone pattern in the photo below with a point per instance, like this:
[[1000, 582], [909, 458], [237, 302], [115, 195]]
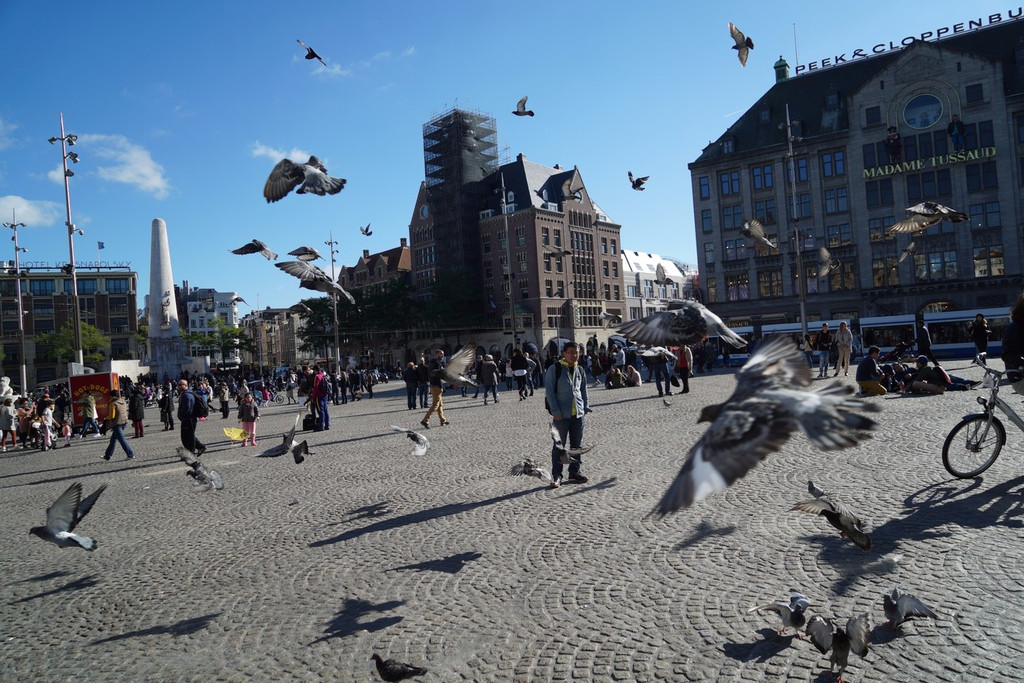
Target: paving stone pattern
[[447, 562]]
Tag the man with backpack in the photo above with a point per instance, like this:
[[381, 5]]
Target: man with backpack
[[319, 395], [565, 388], [190, 409]]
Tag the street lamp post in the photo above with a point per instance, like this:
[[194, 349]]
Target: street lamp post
[[14, 225], [510, 275], [801, 275], [331, 244], [68, 140]]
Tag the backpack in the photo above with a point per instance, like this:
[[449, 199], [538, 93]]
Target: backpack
[[558, 374], [199, 407]]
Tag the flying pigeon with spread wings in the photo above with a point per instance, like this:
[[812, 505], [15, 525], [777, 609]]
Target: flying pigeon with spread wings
[[313, 277], [310, 52], [310, 177], [754, 231], [569, 193], [827, 636], [521, 109], [420, 443], [826, 264], [838, 515], [660, 277], [288, 445], [910, 250], [366, 231], [686, 322], [927, 214], [637, 183], [64, 515], [771, 401], [792, 614], [530, 469], [455, 372], [256, 247], [305, 253], [743, 44], [900, 606]]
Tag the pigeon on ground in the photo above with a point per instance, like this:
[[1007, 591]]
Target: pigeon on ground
[[826, 636], [771, 401], [569, 193], [814, 490], [826, 264], [310, 52], [910, 250], [754, 231], [64, 515], [666, 402], [366, 231], [530, 469], [521, 109], [927, 214], [686, 322], [900, 606], [420, 442], [305, 254], [637, 183], [289, 445], [300, 308], [839, 516], [393, 670], [660, 277], [792, 615], [313, 277], [311, 176], [256, 247], [455, 372], [743, 44]]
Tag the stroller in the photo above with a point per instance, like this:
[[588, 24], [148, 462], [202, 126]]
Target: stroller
[[897, 352]]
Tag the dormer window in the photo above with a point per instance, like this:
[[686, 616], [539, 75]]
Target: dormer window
[[544, 194], [765, 115], [832, 100], [728, 146], [511, 197]]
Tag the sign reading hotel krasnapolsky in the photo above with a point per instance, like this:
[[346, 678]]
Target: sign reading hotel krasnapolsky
[[936, 161], [936, 34]]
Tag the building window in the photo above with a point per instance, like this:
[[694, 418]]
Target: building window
[[803, 206], [988, 261], [709, 252], [615, 248], [521, 236], [40, 287], [764, 211], [737, 287], [878, 228], [885, 272], [116, 285], [488, 271], [801, 170], [985, 215], [604, 268], [547, 263], [761, 177], [872, 116], [875, 155], [729, 182], [40, 308], [732, 217], [936, 265], [836, 200], [974, 93], [839, 235], [978, 134], [615, 269], [704, 187], [806, 238], [486, 239], [558, 238], [44, 326], [735, 249], [712, 290], [833, 164], [616, 292], [928, 185], [843, 277], [879, 192], [545, 236], [705, 221], [769, 283], [728, 146], [604, 245], [981, 176]]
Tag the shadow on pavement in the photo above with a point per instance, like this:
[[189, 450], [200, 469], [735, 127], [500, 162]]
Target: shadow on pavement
[[599, 486], [449, 565], [704, 530], [762, 650], [43, 577], [419, 516], [182, 628], [347, 620], [128, 465], [76, 585]]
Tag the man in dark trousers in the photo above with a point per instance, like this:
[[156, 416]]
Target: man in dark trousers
[[188, 420], [924, 342]]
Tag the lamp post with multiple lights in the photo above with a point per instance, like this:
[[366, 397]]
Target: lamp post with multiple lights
[[331, 244], [69, 140], [510, 275], [801, 275], [14, 225]]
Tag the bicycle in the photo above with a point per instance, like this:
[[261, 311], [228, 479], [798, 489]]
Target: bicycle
[[973, 445]]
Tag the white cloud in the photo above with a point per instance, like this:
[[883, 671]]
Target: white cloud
[[296, 154], [33, 213], [133, 164], [5, 134], [409, 51], [384, 54]]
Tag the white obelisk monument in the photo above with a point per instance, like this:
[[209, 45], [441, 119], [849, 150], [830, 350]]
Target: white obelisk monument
[[166, 347]]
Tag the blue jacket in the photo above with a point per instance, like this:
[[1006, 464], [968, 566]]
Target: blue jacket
[[568, 397], [186, 402]]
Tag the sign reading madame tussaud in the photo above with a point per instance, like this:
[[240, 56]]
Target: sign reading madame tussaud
[[936, 161]]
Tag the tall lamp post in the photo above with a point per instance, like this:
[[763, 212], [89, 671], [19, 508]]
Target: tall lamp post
[[801, 275], [68, 140], [14, 225], [331, 244], [508, 256]]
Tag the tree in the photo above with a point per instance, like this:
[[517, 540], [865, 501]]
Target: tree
[[222, 339], [317, 331], [62, 343]]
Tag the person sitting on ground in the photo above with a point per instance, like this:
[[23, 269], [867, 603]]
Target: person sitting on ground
[[927, 380], [869, 373], [632, 377], [614, 379]]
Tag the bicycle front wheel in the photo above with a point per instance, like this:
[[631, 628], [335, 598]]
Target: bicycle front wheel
[[973, 445]]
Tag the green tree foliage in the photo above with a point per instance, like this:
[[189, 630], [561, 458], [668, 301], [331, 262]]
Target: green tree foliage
[[317, 329], [222, 339], [62, 344]]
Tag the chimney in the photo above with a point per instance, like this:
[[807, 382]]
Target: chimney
[[403, 242], [366, 253], [781, 70]]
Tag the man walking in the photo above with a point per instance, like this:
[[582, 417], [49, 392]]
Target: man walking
[[565, 387], [824, 345], [188, 419], [117, 418], [436, 388]]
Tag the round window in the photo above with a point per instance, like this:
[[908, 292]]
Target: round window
[[423, 211], [924, 111]]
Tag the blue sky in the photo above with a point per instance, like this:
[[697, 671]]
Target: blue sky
[[183, 108]]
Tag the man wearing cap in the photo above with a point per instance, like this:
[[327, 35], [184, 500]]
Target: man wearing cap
[[487, 377], [928, 380]]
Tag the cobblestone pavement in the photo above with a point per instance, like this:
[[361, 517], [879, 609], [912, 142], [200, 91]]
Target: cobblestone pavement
[[446, 562]]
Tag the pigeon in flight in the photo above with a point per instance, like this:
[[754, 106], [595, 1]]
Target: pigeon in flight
[[754, 231], [815, 490], [393, 670], [206, 477], [557, 252], [911, 250], [771, 401], [366, 231], [521, 109], [637, 183], [569, 193], [900, 606], [607, 318], [530, 469], [300, 308], [64, 515], [838, 515], [686, 322], [420, 443], [305, 253], [289, 445], [743, 44], [827, 636], [568, 455], [826, 264], [255, 247], [660, 277], [312, 277], [311, 176], [792, 615], [455, 372], [927, 214], [310, 52], [239, 300]]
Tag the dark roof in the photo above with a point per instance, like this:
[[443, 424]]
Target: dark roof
[[806, 94]]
